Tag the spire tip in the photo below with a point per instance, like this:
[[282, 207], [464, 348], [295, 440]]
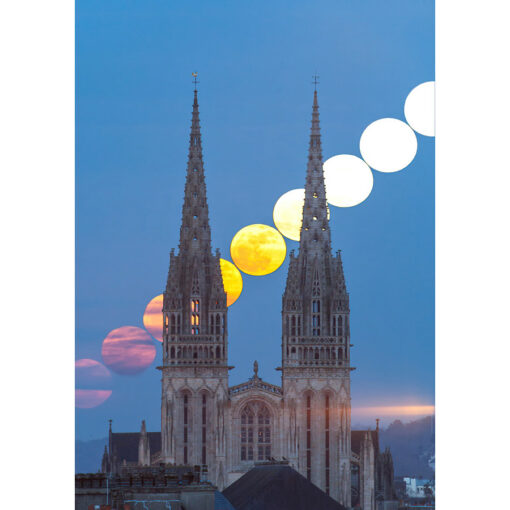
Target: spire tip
[[195, 81], [315, 82]]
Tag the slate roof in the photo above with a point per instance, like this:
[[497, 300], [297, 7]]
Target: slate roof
[[221, 502], [357, 437], [125, 444], [277, 487]]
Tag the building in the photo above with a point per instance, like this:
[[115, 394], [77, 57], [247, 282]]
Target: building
[[156, 487], [419, 488], [227, 429]]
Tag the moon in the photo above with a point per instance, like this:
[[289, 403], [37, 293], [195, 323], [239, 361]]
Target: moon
[[419, 108], [91, 375], [388, 145], [232, 281], [88, 399], [258, 249], [128, 350], [288, 213], [153, 317], [349, 180]]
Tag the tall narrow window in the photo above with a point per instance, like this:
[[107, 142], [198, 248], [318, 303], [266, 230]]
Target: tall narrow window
[[308, 438], [316, 317], [255, 432], [185, 421], [195, 316], [326, 440], [204, 429]]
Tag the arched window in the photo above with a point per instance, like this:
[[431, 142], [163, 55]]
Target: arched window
[[195, 316], [326, 441], [255, 432], [204, 428], [308, 437], [186, 426]]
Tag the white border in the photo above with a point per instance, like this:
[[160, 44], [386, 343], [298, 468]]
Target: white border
[[473, 253], [37, 269]]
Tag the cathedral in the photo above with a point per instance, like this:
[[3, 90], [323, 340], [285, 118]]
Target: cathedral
[[305, 421]]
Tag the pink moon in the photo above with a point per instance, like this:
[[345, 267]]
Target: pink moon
[[90, 376], [128, 350]]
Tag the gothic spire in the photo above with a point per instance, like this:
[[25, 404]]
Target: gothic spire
[[195, 234], [315, 233]]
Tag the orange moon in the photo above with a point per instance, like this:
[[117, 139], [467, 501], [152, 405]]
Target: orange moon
[[258, 249], [153, 317], [232, 281]]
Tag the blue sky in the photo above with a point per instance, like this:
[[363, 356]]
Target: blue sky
[[133, 110]]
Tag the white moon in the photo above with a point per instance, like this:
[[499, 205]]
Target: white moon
[[419, 108], [288, 213], [388, 145], [349, 180]]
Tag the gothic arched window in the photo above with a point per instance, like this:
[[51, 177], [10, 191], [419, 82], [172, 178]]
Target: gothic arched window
[[204, 428], [326, 440], [186, 425], [255, 432], [218, 324], [308, 437], [195, 316]]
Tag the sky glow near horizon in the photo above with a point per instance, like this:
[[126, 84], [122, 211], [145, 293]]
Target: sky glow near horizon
[[134, 107]]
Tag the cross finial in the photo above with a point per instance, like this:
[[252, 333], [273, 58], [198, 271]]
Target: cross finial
[[195, 79], [315, 81]]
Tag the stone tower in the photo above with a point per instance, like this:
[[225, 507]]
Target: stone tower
[[195, 368], [315, 344]]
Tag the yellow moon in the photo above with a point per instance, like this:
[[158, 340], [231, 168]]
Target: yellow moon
[[258, 249], [232, 281]]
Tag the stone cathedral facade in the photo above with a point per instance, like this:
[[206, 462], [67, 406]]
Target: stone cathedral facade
[[227, 429]]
